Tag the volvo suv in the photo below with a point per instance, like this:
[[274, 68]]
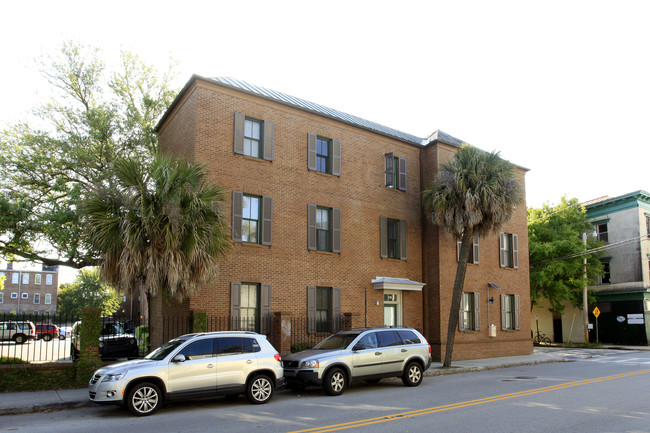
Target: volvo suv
[[367, 354], [192, 366]]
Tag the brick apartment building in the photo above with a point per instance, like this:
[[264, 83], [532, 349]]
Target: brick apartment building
[[29, 292], [327, 222]]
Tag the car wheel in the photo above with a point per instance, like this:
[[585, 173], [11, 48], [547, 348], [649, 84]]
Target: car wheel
[[144, 399], [61, 337], [74, 353], [259, 389], [335, 382], [19, 338], [47, 337], [412, 374]]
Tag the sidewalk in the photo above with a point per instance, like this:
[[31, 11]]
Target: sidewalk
[[14, 403]]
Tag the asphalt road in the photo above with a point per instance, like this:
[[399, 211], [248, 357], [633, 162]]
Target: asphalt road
[[609, 392]]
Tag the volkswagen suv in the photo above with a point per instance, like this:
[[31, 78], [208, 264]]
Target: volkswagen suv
[[192, 366], [367, 354]]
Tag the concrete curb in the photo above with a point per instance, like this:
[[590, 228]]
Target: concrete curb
[[48, 407], [440, 371]]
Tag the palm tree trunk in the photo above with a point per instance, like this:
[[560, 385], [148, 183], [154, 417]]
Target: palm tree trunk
[[156, 337], [452, 324]]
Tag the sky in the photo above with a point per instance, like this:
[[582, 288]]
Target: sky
[[561, 88]]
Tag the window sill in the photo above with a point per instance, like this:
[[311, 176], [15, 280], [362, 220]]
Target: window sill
[[252, 245], [394, 189], [326, 253], [252, 158], [320, 173]]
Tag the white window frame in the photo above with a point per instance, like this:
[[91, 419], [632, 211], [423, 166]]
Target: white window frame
[[25, 278], [37, 278], [48, 298], [37, 298], [48, 279], [14, 295], [24, 295], [14, 278], [2, 298]]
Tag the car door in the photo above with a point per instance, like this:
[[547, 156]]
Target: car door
[[391, 347], [235, 361], [197, 374], [367, 357]]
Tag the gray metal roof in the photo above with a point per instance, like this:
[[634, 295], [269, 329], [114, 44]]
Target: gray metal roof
[[318, 109]]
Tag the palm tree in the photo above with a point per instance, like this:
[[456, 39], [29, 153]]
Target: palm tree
[[161, 226], [475, 192]]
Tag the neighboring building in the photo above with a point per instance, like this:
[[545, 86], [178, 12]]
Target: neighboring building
[[29, 292], [623, 292], [327, 223]]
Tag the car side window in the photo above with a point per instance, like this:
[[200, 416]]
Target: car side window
[[408, 337], [388, 338], [229, 346], [199, 349], [368, 341], [250, 345]]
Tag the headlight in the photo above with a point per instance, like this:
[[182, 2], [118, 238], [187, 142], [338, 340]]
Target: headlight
[[101, 344], [132, 341], [309, 364], [114, 377]]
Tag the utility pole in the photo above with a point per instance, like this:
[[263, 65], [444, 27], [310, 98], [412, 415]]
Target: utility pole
[[585, 298]]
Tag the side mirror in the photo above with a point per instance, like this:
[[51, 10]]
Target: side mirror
[[358, 346], [179, 358]]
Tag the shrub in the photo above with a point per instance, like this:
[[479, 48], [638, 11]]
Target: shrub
[[299, 347]]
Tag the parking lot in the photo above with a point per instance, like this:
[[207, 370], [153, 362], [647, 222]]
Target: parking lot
[[36, 351]]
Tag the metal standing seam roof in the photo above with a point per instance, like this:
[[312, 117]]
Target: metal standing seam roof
[[319, 109]]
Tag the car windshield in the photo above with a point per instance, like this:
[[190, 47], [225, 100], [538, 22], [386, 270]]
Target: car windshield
[[112, 329], [164, 350], [336, 341]]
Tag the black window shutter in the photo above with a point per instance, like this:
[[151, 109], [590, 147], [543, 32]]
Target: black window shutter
[[336, 157], [389, 163], [267, 220], [383, 237], [402, 174], [336, 309], [265, 308], [235, 305], [311, 226], [237, 202], [311, 309], [311, 151], [477, 311], [336, 230], [239, 133], [402, 239], [268, 140]]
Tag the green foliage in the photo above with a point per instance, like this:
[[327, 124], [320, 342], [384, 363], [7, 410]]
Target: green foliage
[[87, 291], [34, 377], [47, 168], [142, 335], [555, 242], [9, 360], [199, 322], [299, 347], [90, 331]]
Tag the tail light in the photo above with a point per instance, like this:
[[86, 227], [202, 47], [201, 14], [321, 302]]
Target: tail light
[[277, 357], [429, 349]]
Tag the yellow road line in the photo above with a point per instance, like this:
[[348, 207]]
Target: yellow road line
[[397, 416]]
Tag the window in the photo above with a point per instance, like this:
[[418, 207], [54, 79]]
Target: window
[[323, 309], [605, 277], [14, 277], [2, 298], [395, 171], [24, 296], [252, 218], [253, 137], [25, 278], [249, 309], [510, 312], [323, 154], [37, 298], [48, 298], [601, 232], [199, 349], [48, 279], [250, 306], [37, 278], [389, 338], [323, 229], [508, 251], [14, 295], [470, 312], [473, 251], [392, 234]]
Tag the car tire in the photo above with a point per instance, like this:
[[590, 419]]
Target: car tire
[[335, 382], [259, 389], [74, 353], [144, 399], [61, 337], [412, 374], [20, 338], [47, 337]]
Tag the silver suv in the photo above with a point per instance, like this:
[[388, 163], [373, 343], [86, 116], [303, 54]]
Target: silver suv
[[19, 332], [367, 354], [192, 366]]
